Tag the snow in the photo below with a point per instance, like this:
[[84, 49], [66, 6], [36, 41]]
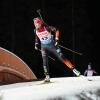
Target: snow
[[62, 88]]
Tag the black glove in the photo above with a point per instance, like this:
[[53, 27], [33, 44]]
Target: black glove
[[56, 42], [36, 46]]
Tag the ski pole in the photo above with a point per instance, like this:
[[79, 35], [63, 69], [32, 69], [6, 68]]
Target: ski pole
[[70, 50], [48, 56]]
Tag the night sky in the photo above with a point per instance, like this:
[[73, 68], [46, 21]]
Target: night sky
[[77, 20]]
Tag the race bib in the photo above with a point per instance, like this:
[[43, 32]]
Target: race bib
[[45, 37]]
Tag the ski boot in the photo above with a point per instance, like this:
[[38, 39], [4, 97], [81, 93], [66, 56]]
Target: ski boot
[[47, 78], [76, 72]]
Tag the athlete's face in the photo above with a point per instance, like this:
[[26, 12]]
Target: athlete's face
[[37, 23], [89, 66]]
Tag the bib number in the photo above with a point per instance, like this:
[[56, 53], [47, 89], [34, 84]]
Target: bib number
[[44, 38]]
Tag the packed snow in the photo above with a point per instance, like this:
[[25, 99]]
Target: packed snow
[[62, 88]]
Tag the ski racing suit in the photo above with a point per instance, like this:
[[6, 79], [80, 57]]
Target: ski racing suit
[[49, 42]]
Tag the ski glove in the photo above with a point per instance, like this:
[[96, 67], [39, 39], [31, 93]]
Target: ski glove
[[56, 42], [36, 46]]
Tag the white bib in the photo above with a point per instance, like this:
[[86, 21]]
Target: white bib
[[44, 36]]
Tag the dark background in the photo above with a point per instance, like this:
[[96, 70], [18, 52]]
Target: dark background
[[77, 20]]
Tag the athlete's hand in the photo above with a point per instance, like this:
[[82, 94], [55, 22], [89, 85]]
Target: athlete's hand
[[36, 46], [56, 42]]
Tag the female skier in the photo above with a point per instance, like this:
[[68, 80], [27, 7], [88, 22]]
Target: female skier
[[49, 39]]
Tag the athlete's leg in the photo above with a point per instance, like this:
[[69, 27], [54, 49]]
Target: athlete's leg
[[67, 62], [45, 62]]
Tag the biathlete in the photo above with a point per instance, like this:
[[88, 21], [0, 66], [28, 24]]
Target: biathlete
[[49, 39]]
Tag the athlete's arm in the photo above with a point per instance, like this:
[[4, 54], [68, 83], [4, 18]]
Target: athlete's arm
[[56, 31]]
